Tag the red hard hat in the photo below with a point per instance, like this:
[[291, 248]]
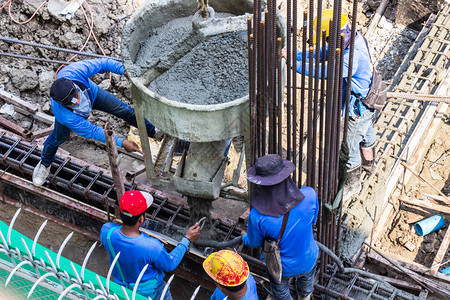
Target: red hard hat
[[133, 203]]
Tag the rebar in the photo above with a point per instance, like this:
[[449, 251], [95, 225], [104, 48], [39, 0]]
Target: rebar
[[302, 98], [319, 109]]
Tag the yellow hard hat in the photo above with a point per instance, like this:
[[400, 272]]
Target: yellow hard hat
[[226, 268], [327, 15]]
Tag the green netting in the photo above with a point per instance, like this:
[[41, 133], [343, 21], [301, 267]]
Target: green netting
[[18, 288], [89, 276]]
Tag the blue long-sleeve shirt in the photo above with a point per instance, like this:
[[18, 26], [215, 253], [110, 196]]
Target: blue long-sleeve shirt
[[81, 71], [361, 74], [136, 252], [298, 250], [251, 294]]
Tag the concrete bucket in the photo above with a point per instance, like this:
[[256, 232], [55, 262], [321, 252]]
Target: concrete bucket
[[189, 77]]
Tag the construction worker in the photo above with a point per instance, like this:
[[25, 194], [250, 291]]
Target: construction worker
[[138, 250], [73, 97], [231, 276], [275, 197], [361, 134]]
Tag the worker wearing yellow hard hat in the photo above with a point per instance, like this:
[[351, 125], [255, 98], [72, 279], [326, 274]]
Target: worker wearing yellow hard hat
[[361, 136], [231, 275]]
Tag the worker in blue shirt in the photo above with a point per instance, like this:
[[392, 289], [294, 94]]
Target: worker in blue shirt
[[361, 134], [73, 97], [231, 275], [138, 250], [275, 195]]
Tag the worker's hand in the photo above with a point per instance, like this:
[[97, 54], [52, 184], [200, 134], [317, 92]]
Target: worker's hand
[[131, 146], [243, 232], [193, 233]]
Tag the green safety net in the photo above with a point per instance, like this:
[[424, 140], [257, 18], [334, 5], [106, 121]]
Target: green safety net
[[18, 287]]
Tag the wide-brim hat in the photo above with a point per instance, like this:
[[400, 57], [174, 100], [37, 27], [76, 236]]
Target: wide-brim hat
[[270, 169]]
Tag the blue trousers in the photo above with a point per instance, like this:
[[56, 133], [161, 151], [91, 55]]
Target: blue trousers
[[161, 287], [304, 285], [105, 102], [360, 133]]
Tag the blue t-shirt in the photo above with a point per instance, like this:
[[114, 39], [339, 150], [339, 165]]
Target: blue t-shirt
[[136, 252], [298, 250], [250, 295]]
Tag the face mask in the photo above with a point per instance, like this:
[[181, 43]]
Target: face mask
[[83, 109]]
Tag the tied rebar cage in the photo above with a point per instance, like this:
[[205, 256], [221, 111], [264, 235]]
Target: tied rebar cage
[[310, 112], [29, 269]]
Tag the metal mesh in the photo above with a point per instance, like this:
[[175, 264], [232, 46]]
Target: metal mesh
[[18, 288]]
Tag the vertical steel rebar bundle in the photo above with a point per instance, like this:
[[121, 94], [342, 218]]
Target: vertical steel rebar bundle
[[312, 121]]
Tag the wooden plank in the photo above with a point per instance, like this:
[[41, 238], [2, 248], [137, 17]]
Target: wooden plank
[[444, 279], [441, 252], [40, 116], [376, 18], [14, 128], [10, 98], [426, 204], [426, 181], [435, 197], [42, 132]]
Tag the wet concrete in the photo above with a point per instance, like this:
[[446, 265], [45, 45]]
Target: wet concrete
[[215, 71]]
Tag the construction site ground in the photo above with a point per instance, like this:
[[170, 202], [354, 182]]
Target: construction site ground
[[435, 169], [389, 43]]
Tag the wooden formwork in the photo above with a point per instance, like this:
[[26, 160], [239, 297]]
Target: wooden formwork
[[406, 129]]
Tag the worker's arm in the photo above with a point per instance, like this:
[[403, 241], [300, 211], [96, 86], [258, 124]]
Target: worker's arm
[[300, 59], [88, 68], [167, 262], [346, 61], [80, 125], [254, 238]]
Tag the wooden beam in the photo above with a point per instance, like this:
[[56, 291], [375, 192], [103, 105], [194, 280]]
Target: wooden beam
[[441, 252], [16, 101], [40, 116], [25, 133], [42, 132], [426, 204], [413, 267], [376, 18], [426, 181]]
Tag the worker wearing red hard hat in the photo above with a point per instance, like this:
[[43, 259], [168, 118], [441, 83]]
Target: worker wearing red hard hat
[[138, 250], [231, 276]]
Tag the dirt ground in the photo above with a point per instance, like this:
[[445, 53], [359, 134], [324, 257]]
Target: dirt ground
[[435, 169]]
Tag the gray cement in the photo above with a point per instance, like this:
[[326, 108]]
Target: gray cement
[[215, 71]]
